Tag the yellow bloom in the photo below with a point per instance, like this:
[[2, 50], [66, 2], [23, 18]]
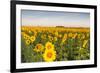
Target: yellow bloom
[[79, 36], [29, 31], [70, 35], [50, 38], [28, 42], [26, 37], [35, 33], [64, 37], [43, 36], [88, 35], [49, 55], [23, 28], [83, 36], [75, 35], [56, 33], [59, 35], [39, 48], [55, 38], [84, 43], [32, 38], [49, 46]]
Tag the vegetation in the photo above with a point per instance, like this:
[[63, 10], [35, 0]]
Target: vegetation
[[47, 44]]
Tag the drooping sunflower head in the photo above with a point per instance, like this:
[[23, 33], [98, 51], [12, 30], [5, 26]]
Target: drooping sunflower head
[[49, 55], [49, 46], [39, 48]]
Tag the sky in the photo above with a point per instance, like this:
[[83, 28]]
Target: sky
[[54, 18]]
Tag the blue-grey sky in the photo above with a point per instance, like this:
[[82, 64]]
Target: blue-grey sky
[[55, 18]]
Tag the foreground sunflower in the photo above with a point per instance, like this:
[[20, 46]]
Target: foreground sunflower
[[49, 46], [39, 48], [49, 55]]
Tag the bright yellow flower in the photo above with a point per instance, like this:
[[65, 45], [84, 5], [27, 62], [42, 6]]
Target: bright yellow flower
[[70, 35], [56, 33], [59, 35], [55, 38], [39, 48], [34, 33], [50, 38], [49, 55], [75, 35], [23, 28], [28, 42], [88, 35], [83, 36], [43, 36], [32, 38], [84, 43], [64, 37], [49, 46], [26, 37], [29, 31], [79, 36]]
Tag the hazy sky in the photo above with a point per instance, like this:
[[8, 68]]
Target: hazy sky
[[53, 18]]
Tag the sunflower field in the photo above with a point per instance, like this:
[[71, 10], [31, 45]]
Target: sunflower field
[[48, 44]]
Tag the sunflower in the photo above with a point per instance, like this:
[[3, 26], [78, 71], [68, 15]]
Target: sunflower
[[32, 38], [84, 43], [56, 33], [55, 38], [28, 42], [49, 55], [79, 36], [50, 38], [59, 35], [70, 35], [64, 37], [35, 33], [26, 37], [39, 48], [49, 46], [83, 36], [75, 35], [43, 36]]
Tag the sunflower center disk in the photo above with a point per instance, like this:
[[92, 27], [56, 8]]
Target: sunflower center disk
[[38, 47], [49, 47], [49, 54]]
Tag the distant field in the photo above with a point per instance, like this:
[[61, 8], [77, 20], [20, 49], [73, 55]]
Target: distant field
[[67, 29], [48, 44]]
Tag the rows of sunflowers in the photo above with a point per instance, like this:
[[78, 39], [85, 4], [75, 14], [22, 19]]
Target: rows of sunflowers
[[47, 44]]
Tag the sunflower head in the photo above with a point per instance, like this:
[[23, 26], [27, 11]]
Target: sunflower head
[[49, 55], [25, 36], [49, 46], [70, 35], [55, 38], [28, 42], [39, 48], [43, 36], [32, 38], [75, 35], [56, 33]]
